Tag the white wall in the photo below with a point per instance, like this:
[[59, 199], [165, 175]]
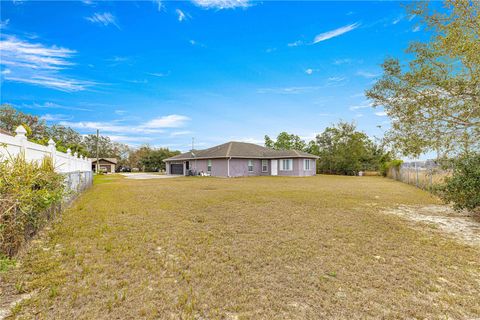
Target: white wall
[[64, 162]]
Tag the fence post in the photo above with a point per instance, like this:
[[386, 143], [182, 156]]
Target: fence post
[[416, 174], [53, 151], [22, 138]]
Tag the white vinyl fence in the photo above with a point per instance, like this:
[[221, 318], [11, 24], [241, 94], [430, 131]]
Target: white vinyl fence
[[77, 169]]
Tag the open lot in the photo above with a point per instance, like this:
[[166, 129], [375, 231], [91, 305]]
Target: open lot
[[321, 247]]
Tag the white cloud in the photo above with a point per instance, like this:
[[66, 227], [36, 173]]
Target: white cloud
[[342, 61], [129, 139], [335, 33], [309, 71], [6, 71], [104, 19], [361, 106], [416, 29], [159, 4], [295, 43], [5, 23], [154, 126], [397, 19], [181, 15], [367, 74], [109, 127], [51, 105], [120, 112], [38, 64], [222, 4], [381, 113], [55, 117], [180, 133], [170, 121], [289, 90], [159, 74]]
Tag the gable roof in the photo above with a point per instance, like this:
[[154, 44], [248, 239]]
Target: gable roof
[[111, 160], [234, 149]]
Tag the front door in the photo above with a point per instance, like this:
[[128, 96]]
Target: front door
[[274, 167]]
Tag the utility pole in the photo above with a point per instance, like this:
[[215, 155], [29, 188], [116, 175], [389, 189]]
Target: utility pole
[[98, 162]]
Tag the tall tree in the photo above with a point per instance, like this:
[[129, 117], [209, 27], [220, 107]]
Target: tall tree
[[345, 150], [10, 119], [434, 103], [285, 141]]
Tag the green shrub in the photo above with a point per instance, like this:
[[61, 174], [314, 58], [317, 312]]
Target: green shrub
[[463, 187], [385, 166], [29, 192]]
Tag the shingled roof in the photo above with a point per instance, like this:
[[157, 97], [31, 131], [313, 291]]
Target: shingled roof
[[234, 149]]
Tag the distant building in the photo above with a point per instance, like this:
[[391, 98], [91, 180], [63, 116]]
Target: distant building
[[107, 165]]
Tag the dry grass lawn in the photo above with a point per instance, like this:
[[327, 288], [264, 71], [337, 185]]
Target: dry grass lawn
[[248, 248]]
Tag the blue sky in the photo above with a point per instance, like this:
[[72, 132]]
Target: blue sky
[[161, 72]]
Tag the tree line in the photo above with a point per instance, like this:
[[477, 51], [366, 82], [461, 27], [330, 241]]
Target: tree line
[[342, 149], [145, 158]]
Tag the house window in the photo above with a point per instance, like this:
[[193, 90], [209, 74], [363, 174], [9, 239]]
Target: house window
[[286, 165], [264, 165], [306, 164], [250, 165], [209, 165]]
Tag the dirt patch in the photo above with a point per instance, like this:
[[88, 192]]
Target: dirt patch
[[460, 225]]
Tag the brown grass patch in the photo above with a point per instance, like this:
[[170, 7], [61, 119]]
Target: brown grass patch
[[247, 248]]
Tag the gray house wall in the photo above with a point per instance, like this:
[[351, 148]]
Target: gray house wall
[[239, 167], [297, 167]]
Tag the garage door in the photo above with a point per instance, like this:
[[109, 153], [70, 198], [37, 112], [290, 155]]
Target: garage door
[[176, 168]]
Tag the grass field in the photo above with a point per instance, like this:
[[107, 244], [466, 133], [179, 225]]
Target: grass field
[[248, 248]]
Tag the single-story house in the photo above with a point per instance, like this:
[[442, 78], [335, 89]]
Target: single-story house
[[237, 159], [107, 165]]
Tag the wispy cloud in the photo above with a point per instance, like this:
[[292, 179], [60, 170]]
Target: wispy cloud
[[180, 133], [159, 4], [109, 127], [328, 83], [367, 74], [55, 117], [105, 19], [309, 71], [4, 23], [398, 19], [416, 29], [181, 15], [335, 33], [154, 126], [289, 90], [170, 121], [54, 106], [222, 4], [381, 113], [159, 74], [129, 139], [342, 61], [295, 43], [38, 64], [360, 106]]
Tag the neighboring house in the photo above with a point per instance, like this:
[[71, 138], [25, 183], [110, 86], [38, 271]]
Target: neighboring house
[[107, 165], [237, 159]]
